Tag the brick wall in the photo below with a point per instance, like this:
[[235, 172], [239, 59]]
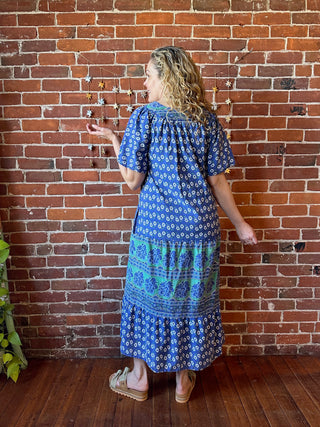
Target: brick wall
[[65, 209]]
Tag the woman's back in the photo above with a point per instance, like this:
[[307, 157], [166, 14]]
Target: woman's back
[[176, 202]]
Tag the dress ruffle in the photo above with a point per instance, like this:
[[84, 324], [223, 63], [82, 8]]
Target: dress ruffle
[[170, 345]]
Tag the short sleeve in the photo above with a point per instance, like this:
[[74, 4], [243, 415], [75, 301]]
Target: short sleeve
[[134, 147], [220, 155]]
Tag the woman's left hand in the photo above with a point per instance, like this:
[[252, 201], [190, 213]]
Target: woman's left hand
[[96, 130], [246, 234]]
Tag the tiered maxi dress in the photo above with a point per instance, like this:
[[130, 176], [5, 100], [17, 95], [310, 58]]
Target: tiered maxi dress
[[171, 309]]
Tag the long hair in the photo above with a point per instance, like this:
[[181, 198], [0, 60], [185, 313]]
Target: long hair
[[183, 85]]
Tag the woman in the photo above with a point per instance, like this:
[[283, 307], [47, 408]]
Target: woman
[[174, 149]]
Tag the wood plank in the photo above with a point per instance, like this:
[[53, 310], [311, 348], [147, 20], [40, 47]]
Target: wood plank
[[312, 366], [107, 401], [72, 402], [294, 416], [161, 405], [85, 416], [232, 402], [59, 392], [43, 373], [199, 413], [213, 399], [273, 412], [180, 413], [246, 393], [296, 390], [14, 403], [312, 387], [234, 391], [143, 411]]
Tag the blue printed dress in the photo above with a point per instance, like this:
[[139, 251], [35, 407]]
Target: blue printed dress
[[171, 309]]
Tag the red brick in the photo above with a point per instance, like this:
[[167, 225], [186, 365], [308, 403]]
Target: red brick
[[9, 47], [65, 189], [297, 173], [312, 136], [287, 5], [303, 44], [211, 32], [115, 45], [266, 44], [95, 32], [177, 5], [8, 20], [92, 319], [97, 58], [80, 176], [248, 31], [313, 5], [275, 71], [305, 198], [133, 31], [61, 111], [231, 18], [40, 98], [75, 18], [65, 214], [251, 135], [116, 18], [86, 5], [271, 18], [103, 213], [289, 31], [174, 31], [300, 161], [285, 135], [44, 202], [57, 6], [256, 84], [294, 210], [36, 19], [228, 44], [303, 123], [267, 122], [56, 58], [19, 59], [13, 33], [35, 164], [56, 32], [43, 151], [285, 57], [26, 189], [140, 5], [315, 83], [156, 18], [270, 96], [40, 125], [264, 316], [22, 112], [82, 201], [79, 45], [306, 18], [60, 85], [132, 57], [67, 237]]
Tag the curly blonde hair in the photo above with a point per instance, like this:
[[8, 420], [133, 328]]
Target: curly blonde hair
[[183, 85]]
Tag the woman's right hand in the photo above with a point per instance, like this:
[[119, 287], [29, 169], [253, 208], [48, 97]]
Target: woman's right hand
[[96, 130]]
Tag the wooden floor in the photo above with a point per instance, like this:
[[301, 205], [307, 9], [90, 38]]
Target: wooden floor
[[236, 391]]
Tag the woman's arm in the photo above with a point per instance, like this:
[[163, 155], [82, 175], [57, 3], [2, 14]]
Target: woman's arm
[[223, 194], [133, 179]]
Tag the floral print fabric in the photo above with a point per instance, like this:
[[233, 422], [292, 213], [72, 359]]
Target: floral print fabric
[[170, 312]]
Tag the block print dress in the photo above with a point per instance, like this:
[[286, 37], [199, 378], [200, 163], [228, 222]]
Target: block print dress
[[170, 308]]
